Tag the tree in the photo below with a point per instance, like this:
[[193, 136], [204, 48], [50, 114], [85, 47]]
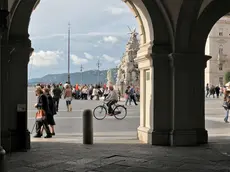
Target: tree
[[227, 77]]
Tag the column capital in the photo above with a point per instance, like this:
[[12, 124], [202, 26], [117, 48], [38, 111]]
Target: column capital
[[144, 59], [151, 55], [188, 60], [144, 52]]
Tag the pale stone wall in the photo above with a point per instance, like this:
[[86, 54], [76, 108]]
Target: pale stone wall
[[218, 37]]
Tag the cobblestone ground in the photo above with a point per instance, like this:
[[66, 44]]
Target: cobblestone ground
[[129, 157]]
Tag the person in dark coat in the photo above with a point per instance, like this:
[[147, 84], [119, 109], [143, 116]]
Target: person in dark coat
[[57, 92], [52, 112], [42, 103], [217, 90]]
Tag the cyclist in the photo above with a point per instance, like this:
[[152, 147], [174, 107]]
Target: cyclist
[[111, 99]]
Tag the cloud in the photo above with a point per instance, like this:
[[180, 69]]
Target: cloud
[[77, 60], [110, 39], [117, 61], [75, 35], [117, 10], [108, 58], [45, 58], [88, 56]]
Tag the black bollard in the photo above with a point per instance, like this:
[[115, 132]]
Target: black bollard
[[2, 160], [87, 127]]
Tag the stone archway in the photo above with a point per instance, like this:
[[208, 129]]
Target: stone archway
[[154, 30], [208, 16], [206, 20]]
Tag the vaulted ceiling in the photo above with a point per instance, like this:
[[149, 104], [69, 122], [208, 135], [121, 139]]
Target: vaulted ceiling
[[185, 20]]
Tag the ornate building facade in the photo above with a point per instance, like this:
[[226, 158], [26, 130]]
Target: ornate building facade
[[128, 73], [217, 47]]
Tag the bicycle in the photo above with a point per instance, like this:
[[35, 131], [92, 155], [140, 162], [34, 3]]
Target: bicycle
[[116, 112]]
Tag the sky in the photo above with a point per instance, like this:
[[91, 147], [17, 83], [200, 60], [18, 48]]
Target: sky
[[99, 31]]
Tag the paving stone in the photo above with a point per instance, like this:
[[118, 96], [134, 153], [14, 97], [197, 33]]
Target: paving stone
[[130, 158], [45, 164], [22, 169], [140, 169], [113, 168], [57, 167]]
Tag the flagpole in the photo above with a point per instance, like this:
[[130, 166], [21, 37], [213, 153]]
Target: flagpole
[[69, 54]]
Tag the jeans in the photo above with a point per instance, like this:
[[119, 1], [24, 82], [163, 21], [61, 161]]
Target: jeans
[[68, 102], [56, 103], [132, 97], [227, 114], [127, 100]]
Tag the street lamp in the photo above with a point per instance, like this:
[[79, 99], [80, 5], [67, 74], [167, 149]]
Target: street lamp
[[81, 69]]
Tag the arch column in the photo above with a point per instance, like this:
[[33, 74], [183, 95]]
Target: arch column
[[188, 123], [3, 27], [14, 64], [155, 116]]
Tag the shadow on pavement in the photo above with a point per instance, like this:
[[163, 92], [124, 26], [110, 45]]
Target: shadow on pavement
[[58, 157]]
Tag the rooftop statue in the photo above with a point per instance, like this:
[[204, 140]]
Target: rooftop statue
[[128, 73]]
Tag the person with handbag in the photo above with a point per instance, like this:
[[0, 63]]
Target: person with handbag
[[41, 116]]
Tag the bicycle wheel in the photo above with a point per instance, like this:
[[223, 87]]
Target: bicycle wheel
[[120, 112], [99, 112]]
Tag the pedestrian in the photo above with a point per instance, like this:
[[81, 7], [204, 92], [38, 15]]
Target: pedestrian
[[68, 97]]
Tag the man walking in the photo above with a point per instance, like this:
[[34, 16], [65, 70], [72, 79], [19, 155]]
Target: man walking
[[57, 92]]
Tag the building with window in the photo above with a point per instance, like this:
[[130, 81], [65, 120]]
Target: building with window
[[218, 46]]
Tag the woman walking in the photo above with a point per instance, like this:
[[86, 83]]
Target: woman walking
[[41, 116], [68, 97], [52, 108]]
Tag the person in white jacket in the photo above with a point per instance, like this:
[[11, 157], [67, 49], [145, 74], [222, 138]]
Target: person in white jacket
[[111, 99]]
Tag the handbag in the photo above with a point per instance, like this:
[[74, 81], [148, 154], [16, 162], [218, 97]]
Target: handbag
[[40, 115], [225, 105]]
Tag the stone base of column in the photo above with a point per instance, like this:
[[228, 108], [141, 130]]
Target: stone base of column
[[2, 160], [148, 136], [14, 141], [160, 138], [202, 136], [144, 135], [183, 138]]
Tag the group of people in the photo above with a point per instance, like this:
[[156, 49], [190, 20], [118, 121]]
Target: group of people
[[131, 95], [91, 92], [212, 90], [45, 105], [48, 105], [48, 98]]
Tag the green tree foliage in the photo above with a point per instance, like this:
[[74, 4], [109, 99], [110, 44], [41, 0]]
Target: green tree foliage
[[227, 77]]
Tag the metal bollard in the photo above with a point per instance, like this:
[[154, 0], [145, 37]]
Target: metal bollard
[[87, 127]]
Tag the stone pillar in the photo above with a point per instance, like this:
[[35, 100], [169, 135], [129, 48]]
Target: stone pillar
[[162, 116], [188, 126], [155, 116], [3, 27], [14, 72]]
